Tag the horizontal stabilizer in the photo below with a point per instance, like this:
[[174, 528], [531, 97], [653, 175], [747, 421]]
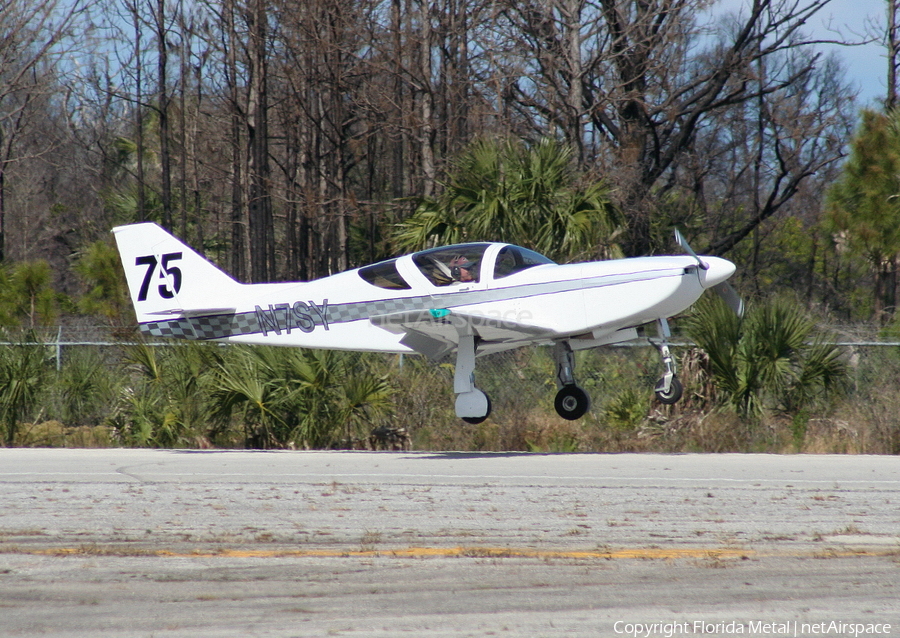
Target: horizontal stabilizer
[[193, 312]]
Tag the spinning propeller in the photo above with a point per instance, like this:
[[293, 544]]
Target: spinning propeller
[[722, 288]]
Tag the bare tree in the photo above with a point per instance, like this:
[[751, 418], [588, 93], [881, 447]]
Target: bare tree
[[161, 31], [223, 37], [33, 36], [317, 124], [801, 132], [645, 78], [138, 106], [261, 229], [893, 54]]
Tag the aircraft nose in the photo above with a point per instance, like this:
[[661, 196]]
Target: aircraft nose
[[719, 270]]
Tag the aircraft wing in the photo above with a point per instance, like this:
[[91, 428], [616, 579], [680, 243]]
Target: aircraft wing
[[435, 333]]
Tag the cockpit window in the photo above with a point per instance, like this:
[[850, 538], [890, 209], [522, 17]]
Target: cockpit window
[[451, 264], [384, 274], [513, 259]]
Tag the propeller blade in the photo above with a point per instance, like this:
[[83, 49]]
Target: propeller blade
[[686, 247], [724, 289], [727, 292]]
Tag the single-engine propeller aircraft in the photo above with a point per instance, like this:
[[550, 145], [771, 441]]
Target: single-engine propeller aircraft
[[469, 299]]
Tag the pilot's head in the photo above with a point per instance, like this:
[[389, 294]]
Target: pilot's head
[[461, 269]]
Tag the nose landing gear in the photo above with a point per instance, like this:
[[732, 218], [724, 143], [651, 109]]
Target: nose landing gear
[[668, 389]]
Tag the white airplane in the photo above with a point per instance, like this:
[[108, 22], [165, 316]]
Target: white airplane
[[469, 299]]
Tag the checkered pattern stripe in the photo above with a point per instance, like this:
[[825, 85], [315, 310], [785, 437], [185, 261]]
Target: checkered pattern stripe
[[244, 323], [341, 313], [201, 328]]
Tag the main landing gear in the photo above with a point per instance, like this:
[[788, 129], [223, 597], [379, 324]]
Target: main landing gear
[[668, 389], [572, 402], [472, 405]]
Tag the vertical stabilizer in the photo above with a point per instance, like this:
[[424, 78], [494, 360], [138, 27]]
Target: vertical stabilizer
[[167, 278]]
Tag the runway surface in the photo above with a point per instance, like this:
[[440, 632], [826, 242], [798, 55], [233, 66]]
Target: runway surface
[[220, 543]]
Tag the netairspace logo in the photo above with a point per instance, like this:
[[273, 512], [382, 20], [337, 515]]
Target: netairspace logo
[[752, 628]]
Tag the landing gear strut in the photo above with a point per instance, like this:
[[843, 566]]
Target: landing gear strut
[[572, 402], [472, 405], [668, 389]]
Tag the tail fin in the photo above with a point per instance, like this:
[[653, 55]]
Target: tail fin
[[167, 278]]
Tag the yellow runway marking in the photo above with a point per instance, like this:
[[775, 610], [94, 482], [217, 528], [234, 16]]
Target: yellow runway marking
[[650, 553]]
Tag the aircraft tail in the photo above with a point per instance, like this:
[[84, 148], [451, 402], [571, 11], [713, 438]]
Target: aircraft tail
[[167, 278]]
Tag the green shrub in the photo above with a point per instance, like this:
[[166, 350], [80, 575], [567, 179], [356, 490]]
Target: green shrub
[[772, 358]]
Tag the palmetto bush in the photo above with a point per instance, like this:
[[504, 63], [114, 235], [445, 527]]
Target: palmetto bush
[[165, 399], [85, 388], [258, 397], [302, 398], [772, 358], [25, 369]]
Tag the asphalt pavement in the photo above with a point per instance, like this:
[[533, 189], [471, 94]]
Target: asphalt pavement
[[221, 543]]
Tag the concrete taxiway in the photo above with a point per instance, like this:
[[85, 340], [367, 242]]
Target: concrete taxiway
[[221, 543]]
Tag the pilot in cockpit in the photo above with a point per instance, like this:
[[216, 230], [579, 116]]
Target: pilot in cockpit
[[461, 269]]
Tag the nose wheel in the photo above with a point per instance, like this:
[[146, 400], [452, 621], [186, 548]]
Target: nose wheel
[[670, 395]]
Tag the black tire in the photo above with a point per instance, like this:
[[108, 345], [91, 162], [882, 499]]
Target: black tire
[[572, 402], [673, 395], [475, 420]]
